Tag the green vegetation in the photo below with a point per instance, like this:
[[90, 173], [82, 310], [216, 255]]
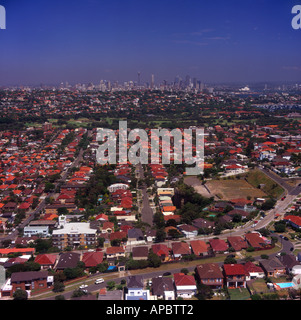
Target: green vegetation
[[269, 186]]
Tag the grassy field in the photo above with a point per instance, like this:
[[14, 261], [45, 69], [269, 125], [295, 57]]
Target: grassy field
[[271, 188], [239, 294], [258, 286], [233, 189]]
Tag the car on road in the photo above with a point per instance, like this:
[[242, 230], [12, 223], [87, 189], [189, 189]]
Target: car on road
[[98, 281], [83, 286], [166, 274]]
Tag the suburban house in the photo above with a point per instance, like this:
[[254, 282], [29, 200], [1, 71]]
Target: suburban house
[[242, 213], [289, 261], [163, 288], [185, 285], [162, 251], [114, 253], [235, 275], [135, 289], [140, 253], [47, 261], [294, 221], [253, 271], [273, 267], [107, 227], [180, 249], [67, 260], [135, 234], [210, 274], [201, 223], [28, 281], [237, 243], [255, 240], [92, 259], [188, 230], [199, 248], [218, 245]]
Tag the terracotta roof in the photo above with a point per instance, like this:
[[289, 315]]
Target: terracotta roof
[[184, 280], [234, 269]]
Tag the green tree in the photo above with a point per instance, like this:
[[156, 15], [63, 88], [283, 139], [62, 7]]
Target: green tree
[[20, 294], [154, 260]]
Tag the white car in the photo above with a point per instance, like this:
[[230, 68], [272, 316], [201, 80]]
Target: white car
[[98, 281], [83, 286]]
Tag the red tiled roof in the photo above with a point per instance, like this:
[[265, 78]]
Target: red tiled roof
[[92, 259], [45, 259], [295, 219], [234, 269], [184, 280]]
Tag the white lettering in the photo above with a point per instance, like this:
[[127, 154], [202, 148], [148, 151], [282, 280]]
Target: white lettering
[[296, 22]]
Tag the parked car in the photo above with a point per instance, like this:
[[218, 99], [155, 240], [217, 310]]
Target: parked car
[[98, 281], [83, 286], [285, 238]]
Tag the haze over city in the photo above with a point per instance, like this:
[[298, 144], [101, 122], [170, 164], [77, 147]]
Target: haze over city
[[86, 41]]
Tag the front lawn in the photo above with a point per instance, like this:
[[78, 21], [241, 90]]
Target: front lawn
[[239, 294]]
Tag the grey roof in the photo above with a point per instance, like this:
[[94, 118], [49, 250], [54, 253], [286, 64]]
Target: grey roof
[[289, 261], [139, 252], [135, 282], [68, 260], [135, 233], [271, 264], [161, 284], [111, 295], [28, 276]]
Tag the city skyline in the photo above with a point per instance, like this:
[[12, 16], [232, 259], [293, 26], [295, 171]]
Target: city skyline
[[86, 41]]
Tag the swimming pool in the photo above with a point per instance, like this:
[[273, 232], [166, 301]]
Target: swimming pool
[[283, 285]]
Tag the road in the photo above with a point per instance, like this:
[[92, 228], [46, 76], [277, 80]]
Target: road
[[147, 213], [291, 190]]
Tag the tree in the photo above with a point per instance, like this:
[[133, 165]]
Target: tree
[[279, 226], [160, 235], [58, 286], [62, 211], [78, 293], [154, 260], [49, 187], [20, 294], [111, 285], [184, 270], [230, 260]]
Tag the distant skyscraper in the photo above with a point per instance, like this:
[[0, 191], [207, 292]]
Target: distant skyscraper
[[152, 81], [139, 79]]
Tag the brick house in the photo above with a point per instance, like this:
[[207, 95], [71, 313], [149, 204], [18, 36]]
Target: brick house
[[30, 280], [210, 274], [235, 275]]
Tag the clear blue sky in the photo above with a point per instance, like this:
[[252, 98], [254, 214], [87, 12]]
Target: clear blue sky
[[89, 40]]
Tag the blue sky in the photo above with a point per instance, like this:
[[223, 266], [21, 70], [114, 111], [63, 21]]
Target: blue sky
[[89, 40]]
